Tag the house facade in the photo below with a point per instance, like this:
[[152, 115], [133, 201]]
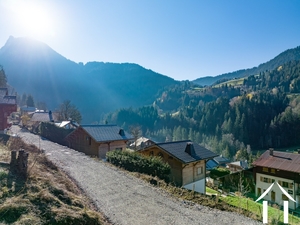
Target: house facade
[[97, 140], [8, 105], [283, 168], [187, 161]]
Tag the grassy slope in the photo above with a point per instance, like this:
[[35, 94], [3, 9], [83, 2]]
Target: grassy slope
[[255, 207], [48, 196]]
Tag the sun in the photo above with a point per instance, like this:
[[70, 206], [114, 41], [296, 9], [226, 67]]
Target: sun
[[33, 19]]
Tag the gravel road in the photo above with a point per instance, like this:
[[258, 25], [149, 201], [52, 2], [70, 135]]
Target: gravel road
[[125, 199]]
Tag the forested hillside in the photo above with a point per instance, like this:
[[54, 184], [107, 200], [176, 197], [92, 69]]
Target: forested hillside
[[261, 113], [96, 88], [282, 58]]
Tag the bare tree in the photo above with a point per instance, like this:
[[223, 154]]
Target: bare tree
[[68, 111]]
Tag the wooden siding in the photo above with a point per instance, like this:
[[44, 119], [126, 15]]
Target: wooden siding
[[181, 174], [277, 173], [110, 146], [81, 141], [190, 172]]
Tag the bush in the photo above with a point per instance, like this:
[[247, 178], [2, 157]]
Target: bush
[[53, 133], [135, 162]]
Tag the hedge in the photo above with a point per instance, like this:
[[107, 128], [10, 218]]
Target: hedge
[[53, 133], [136, 162]]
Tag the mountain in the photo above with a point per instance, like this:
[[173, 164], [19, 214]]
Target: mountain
[[96, 88], [284, 57]]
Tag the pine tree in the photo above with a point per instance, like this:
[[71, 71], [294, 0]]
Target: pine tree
[[3, 79]]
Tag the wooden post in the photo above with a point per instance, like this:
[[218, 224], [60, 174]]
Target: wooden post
[[22, 162], [13, 159]]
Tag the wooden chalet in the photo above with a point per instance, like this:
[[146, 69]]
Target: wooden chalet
[[187, 161], [97, 140]]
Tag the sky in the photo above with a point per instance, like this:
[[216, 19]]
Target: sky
[[184, 39]]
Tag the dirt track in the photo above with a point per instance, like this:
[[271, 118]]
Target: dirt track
[[125, 199]]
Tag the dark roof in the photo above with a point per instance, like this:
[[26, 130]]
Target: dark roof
[[221, 160], [43, 117], [180, 151], [210, 164], [279, 160], [101, 133]]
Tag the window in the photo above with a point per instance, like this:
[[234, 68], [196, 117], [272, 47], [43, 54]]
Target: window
[[273, 171], [89, 140], [151, 153], [160, 154], [259, 191], [285, 184], [284, 198], [273, 196], [265, 169], [118, 149], [199, 170]]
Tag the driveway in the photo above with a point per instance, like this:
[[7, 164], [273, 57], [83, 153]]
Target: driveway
[[125, 199]]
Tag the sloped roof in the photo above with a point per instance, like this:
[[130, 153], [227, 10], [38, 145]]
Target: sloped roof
[[210, 164], [140, 140], [241, 163], [279, 160], [7, 99], [102, 133], [42, 117], [221, 160], [178, 150]]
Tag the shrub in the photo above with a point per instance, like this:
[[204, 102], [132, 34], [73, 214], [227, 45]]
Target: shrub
[[53, 133], [135, 162]]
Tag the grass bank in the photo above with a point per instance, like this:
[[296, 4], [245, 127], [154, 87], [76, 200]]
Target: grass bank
[[47, 196]]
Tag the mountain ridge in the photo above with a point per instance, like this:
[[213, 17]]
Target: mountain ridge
[[283, 57], [33, 67]]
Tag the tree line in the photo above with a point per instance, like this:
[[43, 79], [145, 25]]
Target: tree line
[[263, 112]]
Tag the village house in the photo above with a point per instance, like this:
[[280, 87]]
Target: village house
[[187, 161], [8, 105], [38, 117], [237, 166], [141, 143], [97, 140], [283, 168]]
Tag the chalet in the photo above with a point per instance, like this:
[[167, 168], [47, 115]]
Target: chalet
[[283, 168], [221, 161], [141, 143], [97, 140], [187, 161], [8, 104], [43, 117], [237, 166]]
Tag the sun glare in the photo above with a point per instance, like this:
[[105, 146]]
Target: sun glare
[[33, 19]]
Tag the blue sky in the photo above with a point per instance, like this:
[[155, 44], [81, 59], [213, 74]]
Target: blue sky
[[181, 39]]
